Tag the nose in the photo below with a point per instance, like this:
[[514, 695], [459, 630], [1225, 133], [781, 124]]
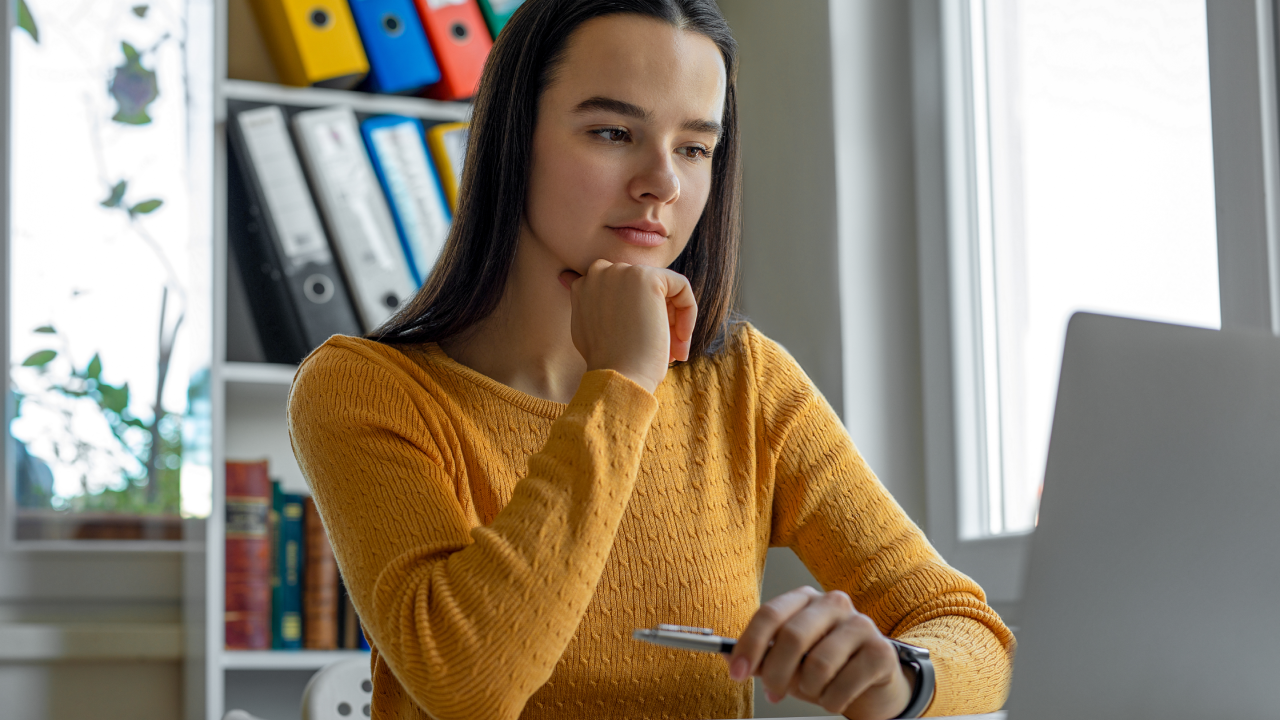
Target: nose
[[657, 181]]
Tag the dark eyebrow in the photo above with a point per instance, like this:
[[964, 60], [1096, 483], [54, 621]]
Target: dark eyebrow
[[614, 106], [710, 127], [621, 107]]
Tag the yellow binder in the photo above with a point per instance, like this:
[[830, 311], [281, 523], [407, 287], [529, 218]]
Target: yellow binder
[[448, 143], [313, 42]]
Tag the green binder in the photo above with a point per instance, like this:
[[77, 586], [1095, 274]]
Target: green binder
[[497, 13]]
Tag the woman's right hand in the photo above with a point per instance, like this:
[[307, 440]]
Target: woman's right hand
[[633, 319]]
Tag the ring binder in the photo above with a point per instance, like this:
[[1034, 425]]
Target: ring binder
[[399, 57], [461, 42], [296, 295], [312, 42], [360, 226], [448, 143], [398, 149]]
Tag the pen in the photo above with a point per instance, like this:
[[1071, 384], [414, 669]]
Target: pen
[[686, 638]]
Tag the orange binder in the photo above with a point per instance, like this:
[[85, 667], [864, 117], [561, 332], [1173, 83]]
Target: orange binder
[[312, 42], [457, 33]]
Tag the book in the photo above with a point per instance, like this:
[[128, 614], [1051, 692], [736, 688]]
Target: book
[[448, 143], [497, 13], [400, 59], [461, 42], [312, 42], [398, 148], [247, 609], [320, 584], [361, 230], [296, 294], [273, 554], [286, 601]]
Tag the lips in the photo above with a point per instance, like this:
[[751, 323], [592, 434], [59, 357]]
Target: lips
[[642, 233]]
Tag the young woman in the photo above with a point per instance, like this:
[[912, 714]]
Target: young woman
[[564, 437]]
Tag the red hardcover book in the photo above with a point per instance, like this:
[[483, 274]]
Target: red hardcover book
[[320, 585], [248, 557], [460, 39]]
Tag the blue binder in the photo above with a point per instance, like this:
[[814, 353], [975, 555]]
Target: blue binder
[[399, 152], [400, 59]]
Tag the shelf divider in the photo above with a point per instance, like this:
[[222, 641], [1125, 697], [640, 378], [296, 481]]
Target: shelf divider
[[242, 373], [360, 102], [285, 659]]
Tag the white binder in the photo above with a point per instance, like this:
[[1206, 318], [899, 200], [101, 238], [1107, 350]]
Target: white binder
[[399, 152], [361, 229]]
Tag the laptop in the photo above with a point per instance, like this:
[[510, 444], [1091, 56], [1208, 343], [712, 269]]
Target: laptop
[[1153, 585]]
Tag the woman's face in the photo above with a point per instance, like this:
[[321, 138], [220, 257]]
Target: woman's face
[[622, 149]]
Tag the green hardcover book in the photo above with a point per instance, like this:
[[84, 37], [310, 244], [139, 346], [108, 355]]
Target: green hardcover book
[[286, 599], [497, 13], [273, 547]]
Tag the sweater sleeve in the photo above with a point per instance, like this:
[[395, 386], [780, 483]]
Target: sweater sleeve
[[853, 536], [471, 620]]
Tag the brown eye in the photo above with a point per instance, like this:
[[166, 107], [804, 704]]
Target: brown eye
[[695, 152], [612, 134]]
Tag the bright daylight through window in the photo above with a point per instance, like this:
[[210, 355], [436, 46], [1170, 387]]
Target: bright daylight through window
[[1092, 189]]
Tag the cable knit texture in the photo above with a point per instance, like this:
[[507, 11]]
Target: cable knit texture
[[500, 548]]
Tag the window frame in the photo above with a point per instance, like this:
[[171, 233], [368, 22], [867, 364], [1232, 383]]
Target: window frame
[[1246, 148], [952, 368]]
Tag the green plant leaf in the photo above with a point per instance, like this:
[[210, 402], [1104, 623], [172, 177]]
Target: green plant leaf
[[47, 329], [115, 399], [40, 358], [140, 10], [117, 194], [146, 207], [26, 22], [133, 87], [95, 367]]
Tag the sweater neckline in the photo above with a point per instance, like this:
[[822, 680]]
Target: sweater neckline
[[524, 401]]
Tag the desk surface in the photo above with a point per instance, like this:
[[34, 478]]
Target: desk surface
[[989, 716]]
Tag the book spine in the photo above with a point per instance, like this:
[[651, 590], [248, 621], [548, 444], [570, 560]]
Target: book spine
[[291, 539], [320, 585], [273, 545], [247, 615]]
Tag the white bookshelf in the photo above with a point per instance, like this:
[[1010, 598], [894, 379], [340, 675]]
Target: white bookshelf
[[248, 405], [281, 660]]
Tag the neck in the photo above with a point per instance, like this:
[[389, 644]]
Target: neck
[[526, 344]]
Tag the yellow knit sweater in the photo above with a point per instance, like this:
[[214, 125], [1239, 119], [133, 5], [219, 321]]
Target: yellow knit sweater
[[500, 548]]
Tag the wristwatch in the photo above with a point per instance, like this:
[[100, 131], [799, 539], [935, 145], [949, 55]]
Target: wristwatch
[[917, 658]]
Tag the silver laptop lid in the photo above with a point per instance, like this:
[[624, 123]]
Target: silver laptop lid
[[1153, 589]]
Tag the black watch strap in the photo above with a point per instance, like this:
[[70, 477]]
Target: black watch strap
[[917, 658]]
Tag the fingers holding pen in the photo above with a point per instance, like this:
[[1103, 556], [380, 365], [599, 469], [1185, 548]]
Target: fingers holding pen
[[817, 647]]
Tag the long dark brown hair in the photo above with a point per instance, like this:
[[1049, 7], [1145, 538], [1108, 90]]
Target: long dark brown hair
[[471, 275]]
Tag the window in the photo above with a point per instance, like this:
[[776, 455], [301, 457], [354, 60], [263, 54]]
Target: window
[[1089, 185], [109, 250]]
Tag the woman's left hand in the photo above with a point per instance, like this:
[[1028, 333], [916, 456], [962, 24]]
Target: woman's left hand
[[850, 668]]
